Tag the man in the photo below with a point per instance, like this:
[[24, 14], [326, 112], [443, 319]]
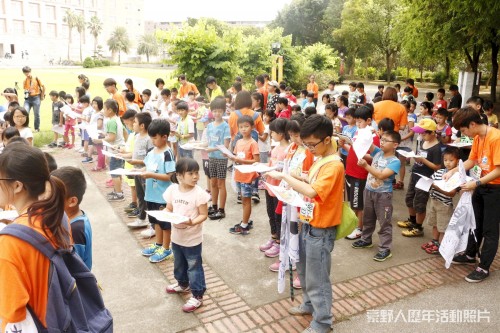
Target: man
[[312, 87], [411, 83], [186, 87], [34, 93], [213, 90], [455, 101], [260, 83]]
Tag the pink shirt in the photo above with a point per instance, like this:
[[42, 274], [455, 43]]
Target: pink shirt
[[278, 155], [186, 204]]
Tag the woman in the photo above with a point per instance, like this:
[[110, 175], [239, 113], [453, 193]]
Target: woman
[[130, 87]]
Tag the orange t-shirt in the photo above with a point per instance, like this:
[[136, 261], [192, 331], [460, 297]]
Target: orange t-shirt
[[245, 149], [122, 107], [415, 92], [185, 89], [33, 84], [486, 152], [314, 88], [138, 99], [24, 276], [264, 92], [329, 186], [390, 109], [233, 122]]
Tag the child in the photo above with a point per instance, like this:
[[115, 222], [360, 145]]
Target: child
[[69, 124], [203, 116], [492, 118], [81, 230], [426, 164], [378, 194], [331, 112], [149, 106], [379, 92], [285, 111], [316, 240], [185, 129], [193, 107], [110, 86], [292, 100], [246, 151], [331, 91], [361, 100], [137, 97], [441, 207], [87, 113], [309, 111], [397, 86], [20, 120], [296, 109], [258, 102], [342, 103], [265, 138], [443, 129], [325, 99], [348, 130], [353, 94], [130, 102], [217, 133], [405, 144], [407, 94], [57, 115], [160, 167], [188, 199], [279, 134], [126, 152], [157, 99], [97, 124], [163, 103], [309, 101], [303, 98], [9, 133], [441, 102], [425, 110]]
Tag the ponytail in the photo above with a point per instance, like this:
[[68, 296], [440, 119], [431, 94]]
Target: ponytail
[[174, 179]]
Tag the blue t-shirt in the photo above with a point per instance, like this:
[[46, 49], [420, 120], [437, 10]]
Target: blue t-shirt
[[162, 163], [216, 134], [348, 131], [81, 232], [380, 163]]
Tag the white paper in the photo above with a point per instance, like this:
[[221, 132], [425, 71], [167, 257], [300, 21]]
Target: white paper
[[125, 172], [288, 196], [424, 183], [109, 154], [164, 216], [8, 215], [363, 142], [224, 150], [460, 144], [407, 154], [249, 168], [107, 144], [93, 132], [70, 113], [59, 129], [193, 146], [346, 139]]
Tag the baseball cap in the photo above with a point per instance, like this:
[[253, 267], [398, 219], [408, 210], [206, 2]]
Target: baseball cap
[[273, 83], [424, 125]]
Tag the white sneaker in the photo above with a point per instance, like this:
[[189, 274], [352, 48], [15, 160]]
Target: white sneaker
[[355, 234], [81, 150], [148, 233], [138, 223]]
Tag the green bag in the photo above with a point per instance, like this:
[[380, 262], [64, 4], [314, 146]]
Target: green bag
[[348, 222]]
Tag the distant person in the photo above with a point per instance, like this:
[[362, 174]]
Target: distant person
[[34, 93], [379, 92], [312, 87], [186, 87], [411, 83], [213, 90]]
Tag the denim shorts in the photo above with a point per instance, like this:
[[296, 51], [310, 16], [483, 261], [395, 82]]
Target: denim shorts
[[115, 163], [245, 189], [157, 206]]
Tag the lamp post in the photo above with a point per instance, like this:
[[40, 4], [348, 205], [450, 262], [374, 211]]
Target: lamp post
[[341, 63], [276, 60]]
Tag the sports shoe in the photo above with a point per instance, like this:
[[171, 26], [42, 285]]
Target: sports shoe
[[135, 213], [477, 275], [298, 311], [462, 259], [217, 215], [116, 197], [52, 145], [296, 283], [150, 250], [413, 232], [274, 251], [250, 224], [192, 304], [160, 254], [355, 234], [238, 200], [255, 197], [310, 330], [81, 150], [211, 211], [110, 194], [434, 249], [267, 245], [149, 232], [70, 146], [138, 223], [87, 160], [238, 229], [131, 206], [405, 224], [275, 267], [361, 244], [382, 255], [176, 289]]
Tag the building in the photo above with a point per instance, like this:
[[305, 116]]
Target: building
[[38, 28]]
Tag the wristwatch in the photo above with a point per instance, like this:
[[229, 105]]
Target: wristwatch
[[478, 183]]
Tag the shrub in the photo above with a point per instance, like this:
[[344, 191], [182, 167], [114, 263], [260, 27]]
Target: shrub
[[439, 78], [322, 78], [98, 63], [88, 63], [106, 62]]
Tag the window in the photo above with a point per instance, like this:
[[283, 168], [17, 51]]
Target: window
[[18, 26], [34, 10], [35, 29], [51, 30], [17, 8], [50, 12]]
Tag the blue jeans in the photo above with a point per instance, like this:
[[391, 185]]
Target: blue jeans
[[33, 102], [188, 268], [185, 153], [315, 247]]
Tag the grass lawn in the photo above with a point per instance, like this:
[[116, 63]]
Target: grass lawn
[[67, 80]]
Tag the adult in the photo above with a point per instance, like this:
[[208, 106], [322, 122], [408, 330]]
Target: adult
[[390, 108], [186, 87], [273, 95], [83, 78], [34, 93], [260, 83], [213, 90], [313, 88], [455, 101], [411, 83], [243, 102], [130, 87]]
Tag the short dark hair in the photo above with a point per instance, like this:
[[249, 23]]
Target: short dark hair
[[73, 180], [304, 92], [18, 139], [331, 82], [144, 118], [386, 124], [393, 135], [182, 106], [260, 78], [245, 120], [111, 104], [360, 85], [84, 99], [296, 107], [159, 126], [353, 84], [397, 85], [242, 100], [464, 116], [26, 69], [165, 92], [237, 86], [210, 79], [295, 123], [426, 105], [429, 96], [363, 113], [129, 114], [54, 93], [109, 82], [410, 81], [69, 96], [442, 91], [350, 112], [62, 94], [408, 90], [310, 95], [146, 92], [380, 86], [86, 85], [488, 105], [130, 96], [318, 126], [309, 111], [51, 161], [442, 112], [159, 81], [99, 102], [476, 100], [333, 107], [10, 132], [453, 87], [181, 77], [279, 126], [271, 114], [283, 100], [453, 151], [174, 90], [218, 103]]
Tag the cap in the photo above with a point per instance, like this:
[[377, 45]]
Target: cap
[[424, 125], [274, 83]]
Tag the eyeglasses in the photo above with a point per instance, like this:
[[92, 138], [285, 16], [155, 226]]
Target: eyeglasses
[[313, 146], [7, 179], [384, 140]]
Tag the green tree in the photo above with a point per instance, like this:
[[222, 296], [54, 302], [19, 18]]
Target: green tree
[[321, 56], [70, 19], [95, 28], [332, 20], [80, 27], [148, 45], [119, 42]]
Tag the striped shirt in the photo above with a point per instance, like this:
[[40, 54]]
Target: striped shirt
[[438, 175]]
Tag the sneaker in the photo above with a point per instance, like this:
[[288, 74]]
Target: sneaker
[[298, 311], [87, 160], [110, 194], [116, 197], [405, 224], [160, 254], [150, 250], [296, 283], [70, 146], [149, 232], [275, 267], [382, 255], [274, 251], [81, 150], [138, 224], [267, 245], [462, 259], [192, 304], [131, 206], [52, 145], [355, 234], [217, 216], [238, 200], [477, 275], [135, 213], [255, 197], [361, 244], [238, 229], [176, 289], [211, 211], [413, 232], [310, 330]]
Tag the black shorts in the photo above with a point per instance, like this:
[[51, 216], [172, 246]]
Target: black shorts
[[206, 168], [416, 198], [355, 189], [217, 168], [156, 206]]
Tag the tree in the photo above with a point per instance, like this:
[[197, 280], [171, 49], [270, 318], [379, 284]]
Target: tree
[[320, 56], [332, 20], [80, 27], [95, 28], [70, 19], [119, 42], [148, 45]]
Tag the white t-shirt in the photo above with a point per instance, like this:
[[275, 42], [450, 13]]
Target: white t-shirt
[[26, 133], [149, 107], [265, 146]]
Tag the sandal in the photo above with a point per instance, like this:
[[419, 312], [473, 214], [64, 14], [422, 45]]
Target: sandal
[[96, 169], [434, 249], [429, 244], [398, 186]]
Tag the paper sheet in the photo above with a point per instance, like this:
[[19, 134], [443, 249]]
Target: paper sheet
[[249, 168], [288, 196], [8, 215], [193, 146], [424, 183], [224, 150], [70, 113], [164, 216], [460, 144], [107, 153], [125, 172], [363, 142], [407, 154], [58, 129], [107, 144], [346, 139], [93, 132]]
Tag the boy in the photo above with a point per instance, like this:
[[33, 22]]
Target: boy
[[323, 213], [378, 194], [81, 230], [246, 151], [217, 133], [379, 92], [410, 83], [160, 166], [87, 113], [185, 129], [130, 102], [426, 164], [163, 103], [441, 208], [110, 86], [348, 130], [309, 101], [441, 102], [285, 111], [361, 100], [57, 115], [353, 94], [303, 98], [292, 100], [126, 152], [331, 90], [492, 118], [148, 104]]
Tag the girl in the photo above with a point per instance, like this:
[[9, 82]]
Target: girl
[[20, 120], [264, 139], [326, 100], [78, 108], [97, 123], [8, 133], [425, 110], [258, 102], [130, 87], [186, 198], [39, 199], [331, 112], [342, 103], [279, 134], [69, 124]]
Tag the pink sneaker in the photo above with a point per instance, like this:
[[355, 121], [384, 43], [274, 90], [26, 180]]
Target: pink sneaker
[[267, 245], [274, 251], [192, 304], [296, 283], [275, 267]]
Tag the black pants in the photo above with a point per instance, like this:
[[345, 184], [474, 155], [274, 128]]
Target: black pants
[[274, 219], [140, 185]]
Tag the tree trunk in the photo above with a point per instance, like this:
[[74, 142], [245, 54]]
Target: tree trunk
[[494, 70], [119, 57], [447, 67], [388, 64], [95, 46], [421, 68], [69, 42], [474, 64], [147, 57], [81, 57]]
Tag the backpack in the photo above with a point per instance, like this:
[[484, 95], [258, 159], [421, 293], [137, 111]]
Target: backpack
[[74, 303], [254, 134]]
